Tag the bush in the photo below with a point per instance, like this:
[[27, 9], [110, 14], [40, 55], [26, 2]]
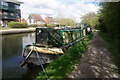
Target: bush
[[42, 25], [33, 25], [17, 25], [57, 25], [102, 26], [51, 25], [48, 25]]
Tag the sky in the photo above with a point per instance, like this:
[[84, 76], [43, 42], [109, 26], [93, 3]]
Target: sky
[[74, 9]]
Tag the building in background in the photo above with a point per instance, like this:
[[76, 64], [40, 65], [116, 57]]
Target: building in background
[[23, 20], [9, 11], [50, 20], [35, 19]]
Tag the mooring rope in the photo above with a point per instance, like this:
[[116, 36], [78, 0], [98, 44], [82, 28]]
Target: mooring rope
[[41, 63]]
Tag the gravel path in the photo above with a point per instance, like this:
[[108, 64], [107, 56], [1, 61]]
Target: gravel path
[[97, 61]]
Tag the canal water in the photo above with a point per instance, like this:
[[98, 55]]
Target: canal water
[[12, 46]]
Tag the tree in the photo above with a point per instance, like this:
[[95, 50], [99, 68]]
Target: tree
[[109, 13], [65, 21], [90, 19]]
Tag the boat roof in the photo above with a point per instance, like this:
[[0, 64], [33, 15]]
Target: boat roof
[[58, 28]]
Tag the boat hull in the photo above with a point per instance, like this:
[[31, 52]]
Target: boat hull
[[39, 57]]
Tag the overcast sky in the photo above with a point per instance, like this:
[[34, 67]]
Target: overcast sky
[[67, 8]]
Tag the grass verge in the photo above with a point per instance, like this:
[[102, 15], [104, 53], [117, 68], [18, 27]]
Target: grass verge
[[113, 48], [61, 67]]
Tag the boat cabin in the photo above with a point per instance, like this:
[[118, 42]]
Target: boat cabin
[[57, 37]]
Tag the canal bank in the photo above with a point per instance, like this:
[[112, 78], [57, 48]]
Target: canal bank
[[16, 31]]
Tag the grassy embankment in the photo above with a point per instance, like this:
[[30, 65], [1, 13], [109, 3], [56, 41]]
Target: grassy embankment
[[62, 66], [113, 48]]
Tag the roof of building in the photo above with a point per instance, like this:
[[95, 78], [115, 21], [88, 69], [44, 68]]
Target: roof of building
[[49, 19], [37, 17], [13, 1]]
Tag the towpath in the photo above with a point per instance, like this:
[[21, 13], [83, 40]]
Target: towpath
[[97, 61]]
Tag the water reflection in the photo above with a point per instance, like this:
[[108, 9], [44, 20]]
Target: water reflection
[[12, 46], [28, 39]]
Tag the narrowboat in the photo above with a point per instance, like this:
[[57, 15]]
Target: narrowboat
[[50, 43]]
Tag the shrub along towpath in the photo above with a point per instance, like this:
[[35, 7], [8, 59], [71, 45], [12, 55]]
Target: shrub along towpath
[[97, 61]]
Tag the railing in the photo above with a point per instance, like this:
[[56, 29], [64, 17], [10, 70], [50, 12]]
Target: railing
[[12, 17], [8, 8], [5, 16], [5, 7], [0, 17], [17, 10], [12, 9], [8, 17]]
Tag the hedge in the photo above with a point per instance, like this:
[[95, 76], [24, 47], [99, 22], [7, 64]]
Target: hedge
[[33, 25], [43, 25], [49, 25], [17, 25]]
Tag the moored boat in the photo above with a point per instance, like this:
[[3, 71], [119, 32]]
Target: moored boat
[[51, 43]]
